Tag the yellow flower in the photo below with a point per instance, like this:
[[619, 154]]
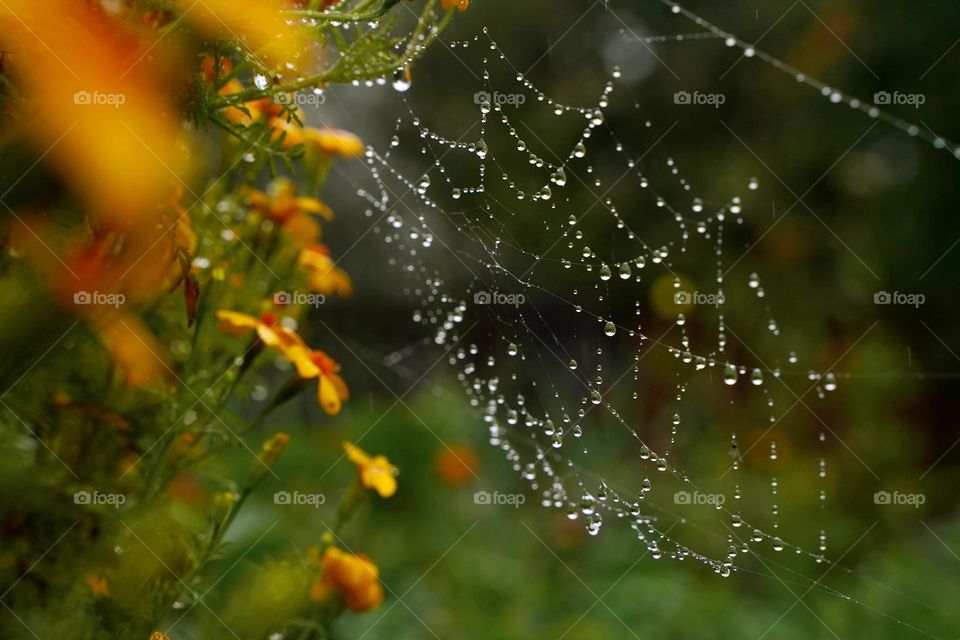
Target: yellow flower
[[335, 142], [159, 635], [310, 363], [461, 5], [375, 472], [325, 277], [332, 391], [356, 577]]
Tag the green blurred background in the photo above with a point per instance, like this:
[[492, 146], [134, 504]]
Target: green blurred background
[[879, 216]]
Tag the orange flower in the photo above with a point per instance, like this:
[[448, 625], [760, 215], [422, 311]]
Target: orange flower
[[356, 577], [335, 142], [295, 214], [159, 635], [325, 277], [246, 115], [271, 333], [376, 472], [461, 5], [456, 465], [331, 389], [210, 73]]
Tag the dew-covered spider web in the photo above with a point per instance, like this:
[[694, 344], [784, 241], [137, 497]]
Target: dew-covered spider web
[[592, 298]]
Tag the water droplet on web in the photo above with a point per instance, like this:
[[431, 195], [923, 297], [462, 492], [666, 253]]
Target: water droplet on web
[[830, 382], [610, 329], [605, 273], [400, 81], [512, 349], [756, 377], [587, 504], [729, 374], [625, 271]]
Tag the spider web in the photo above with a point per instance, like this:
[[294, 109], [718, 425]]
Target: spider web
[[587, 296]]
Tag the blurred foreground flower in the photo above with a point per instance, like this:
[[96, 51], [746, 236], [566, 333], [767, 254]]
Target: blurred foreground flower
[[357, 579], [376, 472]]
